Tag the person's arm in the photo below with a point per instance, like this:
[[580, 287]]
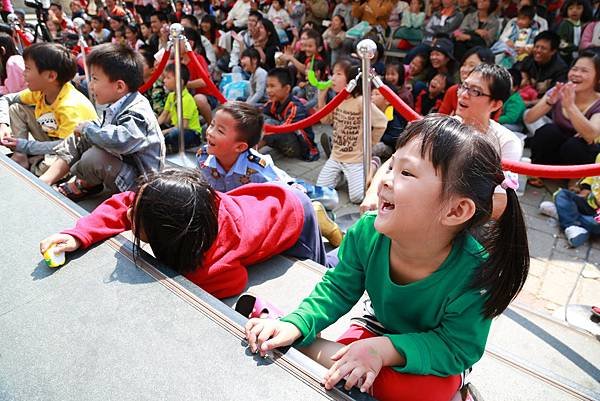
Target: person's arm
[[163, 117], [589, 130], [452, 347], [321, 102], [107, 220], [544, 106], [261, 87], [127, 137], [34, 147], [5, 102], [587, 36]]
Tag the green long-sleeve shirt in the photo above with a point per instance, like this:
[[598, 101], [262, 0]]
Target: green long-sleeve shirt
[[513, 110], [437, 322]]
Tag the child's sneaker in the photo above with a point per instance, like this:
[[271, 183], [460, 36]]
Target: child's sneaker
[[576, 236], [548, 208]]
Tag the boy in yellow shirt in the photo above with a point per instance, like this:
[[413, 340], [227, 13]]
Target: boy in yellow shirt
[[191, 123], [49, 109]]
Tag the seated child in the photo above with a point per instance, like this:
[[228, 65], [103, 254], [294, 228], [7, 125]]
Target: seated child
[[578, 213], [395, 76], [514, 108], [192, 130], [210, 240], [385, 148], [430, 99], [283, 108], [410, 32], [431, 307], [345, 159], [58, 106], [127, 144], [250, 62], [516, 41], [311, 46], [571, 27], [526, 89], [229, 160]]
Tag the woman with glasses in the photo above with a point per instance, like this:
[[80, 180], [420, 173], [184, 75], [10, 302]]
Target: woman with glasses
[[573, 135]]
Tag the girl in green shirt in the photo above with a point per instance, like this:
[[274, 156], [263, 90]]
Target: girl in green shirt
[[433, 289]]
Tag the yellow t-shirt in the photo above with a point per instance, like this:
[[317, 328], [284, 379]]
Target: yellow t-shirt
[[190, 110], [60, 118]]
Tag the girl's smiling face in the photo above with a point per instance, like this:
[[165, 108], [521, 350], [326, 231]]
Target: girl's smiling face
[[392, 76], [409, 194]]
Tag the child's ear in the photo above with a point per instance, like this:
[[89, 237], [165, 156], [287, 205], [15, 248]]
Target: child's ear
[[459, 211], [240, 147], [122, 86]]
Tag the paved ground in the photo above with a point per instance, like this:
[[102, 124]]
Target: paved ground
[[558, 274]]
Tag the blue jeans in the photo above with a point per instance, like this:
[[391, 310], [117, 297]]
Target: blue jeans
[[573, 210], [191, 138]]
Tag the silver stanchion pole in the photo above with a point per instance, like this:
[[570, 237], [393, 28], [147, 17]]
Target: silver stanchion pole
[[177, 37], [366, 50], [79, 23]]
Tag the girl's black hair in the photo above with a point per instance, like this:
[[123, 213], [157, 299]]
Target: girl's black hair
[[470, 166], [351, 69], [9, 50], [178, 213], [214, 28], [484, 54], [273, 36]]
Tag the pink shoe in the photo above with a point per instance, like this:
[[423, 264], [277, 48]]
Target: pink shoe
[[249, 306]]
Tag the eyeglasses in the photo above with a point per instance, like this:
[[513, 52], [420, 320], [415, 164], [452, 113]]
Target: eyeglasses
[[473, 92]]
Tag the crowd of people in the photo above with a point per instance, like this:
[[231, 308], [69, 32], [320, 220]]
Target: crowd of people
[[479, 73]]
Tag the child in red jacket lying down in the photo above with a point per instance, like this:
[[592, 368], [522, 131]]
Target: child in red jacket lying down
[[208, 236]]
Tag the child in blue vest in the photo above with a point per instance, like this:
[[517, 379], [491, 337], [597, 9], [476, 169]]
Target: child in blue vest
[[433, 288]]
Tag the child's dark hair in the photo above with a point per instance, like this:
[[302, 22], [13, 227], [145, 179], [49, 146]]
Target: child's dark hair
[[249, 120], [498, 79], [283, 75], [185, 72], [177, 211], [9, 50], [351, 70], [119, 63], [399, 70], [470, 166], [192, 19], [252, 53], [526, 11], [484, 54], [587, 13], [52, 57], [320, 66], [448, 80], [515, 76]]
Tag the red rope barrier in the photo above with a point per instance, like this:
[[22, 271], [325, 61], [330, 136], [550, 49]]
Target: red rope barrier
[[398, 104], [545, 171], [157, 71], [310, 120], [204, 75], [24, 39]]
